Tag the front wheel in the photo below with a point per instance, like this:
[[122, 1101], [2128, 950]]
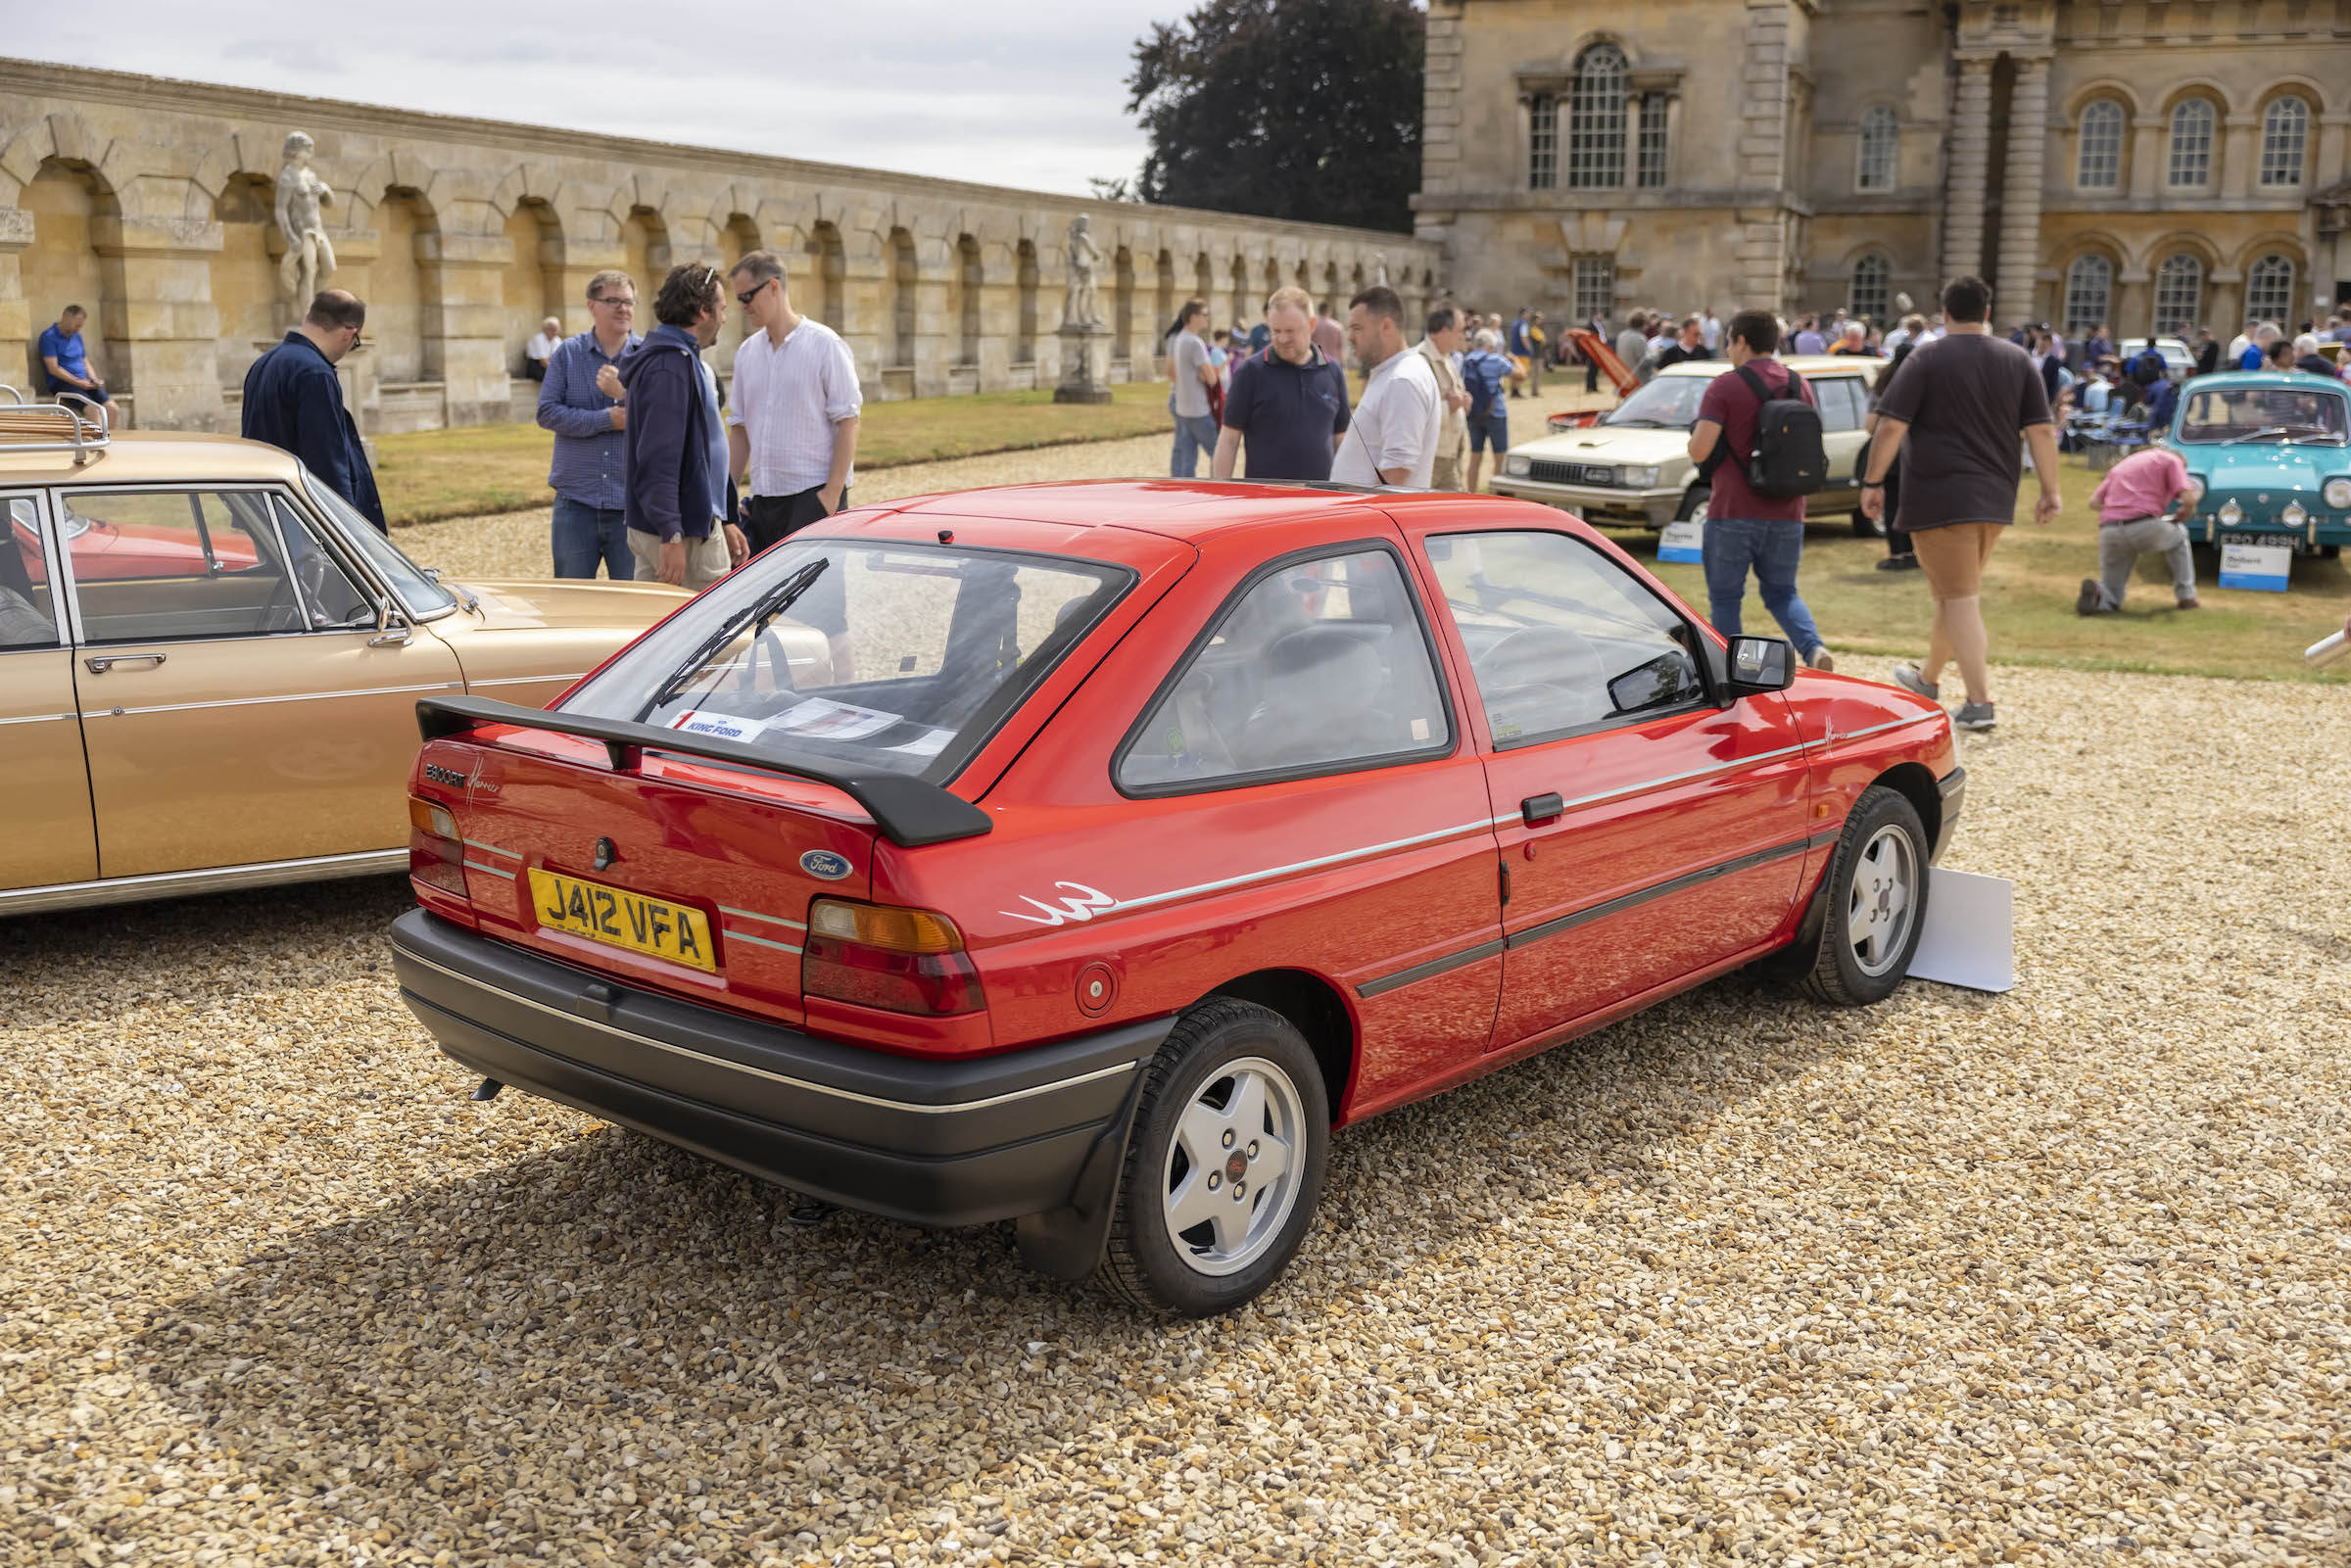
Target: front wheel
[[1693, 504], [1224, 1164], [1875, 898]]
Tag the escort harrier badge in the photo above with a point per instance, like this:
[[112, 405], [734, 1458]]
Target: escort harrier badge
[[824, 866], [434, 773]]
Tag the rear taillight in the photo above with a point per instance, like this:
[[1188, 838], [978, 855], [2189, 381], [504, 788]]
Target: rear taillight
[[436, 855], [876, 955]]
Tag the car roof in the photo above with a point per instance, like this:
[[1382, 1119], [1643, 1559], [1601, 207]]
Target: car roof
[[136, 457], [2290, 380], [1803, 364], [1181, 509]]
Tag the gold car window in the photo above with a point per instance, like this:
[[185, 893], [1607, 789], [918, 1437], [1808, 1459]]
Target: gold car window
[[329, 597], [154, 565], [27, 609]]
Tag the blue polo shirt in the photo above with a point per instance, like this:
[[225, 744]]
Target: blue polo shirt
[[1289, 415], [67, 350]]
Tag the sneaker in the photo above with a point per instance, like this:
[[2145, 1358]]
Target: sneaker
[[1898, 563], [1908, 678], [2091, 600], [1820, 660], [2191, 604], [1971, 716]]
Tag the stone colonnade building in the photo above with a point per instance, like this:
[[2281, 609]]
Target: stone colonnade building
[[150, 201], [2155, 165]]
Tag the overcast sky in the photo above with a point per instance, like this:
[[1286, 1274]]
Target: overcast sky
[[1027, 94]]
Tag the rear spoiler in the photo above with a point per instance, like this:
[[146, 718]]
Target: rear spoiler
[[909, 811]]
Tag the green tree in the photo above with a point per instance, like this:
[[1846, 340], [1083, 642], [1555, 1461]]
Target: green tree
[[1294, 109]]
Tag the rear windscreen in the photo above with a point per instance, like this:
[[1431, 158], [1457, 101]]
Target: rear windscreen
[[904, 657]]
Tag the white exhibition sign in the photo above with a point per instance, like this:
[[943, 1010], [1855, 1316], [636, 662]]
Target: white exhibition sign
[[1683, 541], [2262, 567], [1970, 935]]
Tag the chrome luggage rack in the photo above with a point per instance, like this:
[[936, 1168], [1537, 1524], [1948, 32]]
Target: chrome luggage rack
[[50, 427]]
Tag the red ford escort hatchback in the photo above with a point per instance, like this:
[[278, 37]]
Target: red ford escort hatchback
[[1113, 843]]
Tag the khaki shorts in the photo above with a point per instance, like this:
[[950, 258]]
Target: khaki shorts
[[706, 559], [1953, 555]]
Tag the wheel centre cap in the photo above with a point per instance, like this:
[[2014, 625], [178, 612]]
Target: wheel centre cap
[[1236, 1165]]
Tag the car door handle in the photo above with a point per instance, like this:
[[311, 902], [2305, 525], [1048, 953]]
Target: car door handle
[[102, 663], [397, 638], [1537, 810]]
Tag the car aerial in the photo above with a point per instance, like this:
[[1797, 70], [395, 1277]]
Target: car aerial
[[2179, 359], [209, 664], [1138, 835], [2267, 451], [1632, 467]]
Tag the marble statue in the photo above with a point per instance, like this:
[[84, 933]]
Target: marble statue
[[310, 259], [1382, 275], [1080, 306]]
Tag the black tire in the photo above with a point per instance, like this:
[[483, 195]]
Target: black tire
[[2329, 553], [1697, 495], [1146, 1261], [1840, 974]]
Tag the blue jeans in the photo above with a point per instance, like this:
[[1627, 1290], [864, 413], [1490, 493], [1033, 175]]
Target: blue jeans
[[1194, 434], [584, 535], [1774, 549]]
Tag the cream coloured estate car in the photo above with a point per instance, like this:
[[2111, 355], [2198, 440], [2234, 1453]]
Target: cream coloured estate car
[[1633, 467], [210, 665]]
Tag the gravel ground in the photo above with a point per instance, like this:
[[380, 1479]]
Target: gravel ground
[[2059, 1276]]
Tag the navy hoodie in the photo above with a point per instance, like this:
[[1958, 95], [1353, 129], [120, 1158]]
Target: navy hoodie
[[668, 438]]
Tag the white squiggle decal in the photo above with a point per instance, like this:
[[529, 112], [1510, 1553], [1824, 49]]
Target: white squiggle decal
[[1088, 902]]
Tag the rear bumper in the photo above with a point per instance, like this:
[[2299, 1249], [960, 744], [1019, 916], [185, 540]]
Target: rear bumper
[[1952, 786], [931, 1143]]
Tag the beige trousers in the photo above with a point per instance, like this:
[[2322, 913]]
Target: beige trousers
[[706, 559]]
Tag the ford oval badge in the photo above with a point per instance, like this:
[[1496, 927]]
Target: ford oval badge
[[824, 866]]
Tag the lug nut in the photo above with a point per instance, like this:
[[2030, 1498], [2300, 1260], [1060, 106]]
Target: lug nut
[[1253, 1148], [1239, 1188], [1227, 1137], [1214, 1181]]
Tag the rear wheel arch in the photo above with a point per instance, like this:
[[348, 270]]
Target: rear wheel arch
[[1314, 1008]]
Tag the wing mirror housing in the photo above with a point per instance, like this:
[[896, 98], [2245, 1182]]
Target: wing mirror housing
[[1759, 664]]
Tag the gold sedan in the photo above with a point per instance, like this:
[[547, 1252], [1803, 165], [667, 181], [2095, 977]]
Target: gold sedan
[[210, 665]]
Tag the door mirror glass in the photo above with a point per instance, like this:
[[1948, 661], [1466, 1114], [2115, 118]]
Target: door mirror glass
[[1762, 664]]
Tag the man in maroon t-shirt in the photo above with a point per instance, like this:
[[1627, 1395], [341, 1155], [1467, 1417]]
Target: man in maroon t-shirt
[[1746, 529]]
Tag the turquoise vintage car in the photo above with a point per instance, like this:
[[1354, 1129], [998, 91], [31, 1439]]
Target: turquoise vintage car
[[2269, 451]]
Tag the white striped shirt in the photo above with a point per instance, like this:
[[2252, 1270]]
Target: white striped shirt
[[787, 397]]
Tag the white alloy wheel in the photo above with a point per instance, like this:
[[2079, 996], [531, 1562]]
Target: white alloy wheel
[[1883, 901], [1232, 1173]]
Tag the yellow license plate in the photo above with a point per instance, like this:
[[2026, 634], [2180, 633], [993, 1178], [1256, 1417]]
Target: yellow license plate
[[632, 921]]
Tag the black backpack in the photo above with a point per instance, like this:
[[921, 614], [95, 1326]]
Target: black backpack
[[1790, 458]]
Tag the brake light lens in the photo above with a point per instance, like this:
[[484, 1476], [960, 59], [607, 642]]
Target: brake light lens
[[882, 955], [436, 855]]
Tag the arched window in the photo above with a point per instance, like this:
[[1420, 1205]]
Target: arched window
[[1542, 142], [2192, 142], [2269, 289], [2088, 292], [2284, 141], [1881, 136], [2099, 166], [2178, 293], [1866, 296], [1596, 119]]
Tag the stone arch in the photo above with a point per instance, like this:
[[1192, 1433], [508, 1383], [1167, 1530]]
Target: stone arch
[[243, 272], [1024, 273], [737, 236], [68, 140], [68, 198], [2097, 87], [402, 293], [531, 282], [646, 255], [904, 278], [2195, 87], [1203, 284], [828, 268], [970, 280]]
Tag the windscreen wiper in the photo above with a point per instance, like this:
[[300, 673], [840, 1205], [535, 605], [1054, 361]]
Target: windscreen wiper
[[765, 608], [2255, 435]]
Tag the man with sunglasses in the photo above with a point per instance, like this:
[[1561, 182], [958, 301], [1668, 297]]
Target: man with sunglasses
[[791, 423], [588, 469], [293, 401]]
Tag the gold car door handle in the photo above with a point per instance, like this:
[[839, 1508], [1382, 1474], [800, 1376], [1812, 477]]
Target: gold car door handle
[[99, 664]]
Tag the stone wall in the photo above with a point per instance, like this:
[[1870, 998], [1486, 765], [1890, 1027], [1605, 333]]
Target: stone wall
[[1762, 203], [148, 202]]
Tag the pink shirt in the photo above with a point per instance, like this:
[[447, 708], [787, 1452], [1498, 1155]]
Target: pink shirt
[[2141, 485]]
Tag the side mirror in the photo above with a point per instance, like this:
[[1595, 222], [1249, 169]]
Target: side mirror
[[383, 614], [1761, 664]]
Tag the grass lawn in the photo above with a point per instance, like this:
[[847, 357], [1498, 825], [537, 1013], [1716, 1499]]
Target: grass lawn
[[2029, 602], [429, 474]]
